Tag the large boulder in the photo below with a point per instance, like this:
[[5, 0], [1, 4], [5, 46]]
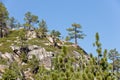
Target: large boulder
[[40, 53]]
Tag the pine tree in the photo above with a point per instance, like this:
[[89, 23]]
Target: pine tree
[[42, 30], [113, 55], [30, 20], [12, 22], [75, 32], [3, 18], [55, 33], [98, 45]]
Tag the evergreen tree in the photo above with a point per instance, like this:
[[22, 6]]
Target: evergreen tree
[[114, 55], [18, 25], [30, 20], [55, 33], [12, 23], [42, 30], [74, 33], [102, 67], [98, 45], [3, 18], [55, 36]]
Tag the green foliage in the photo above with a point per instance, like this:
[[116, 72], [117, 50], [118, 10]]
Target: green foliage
[[23, 57], [30, 20], [42, 30], [98, 47], [3, 18], [12, 22], [5, 45], [33, 63], [22, 37], [113, 54], [67, 38], [3, 61], [115, 57], [13, 73], [3, 13], [55, 33]]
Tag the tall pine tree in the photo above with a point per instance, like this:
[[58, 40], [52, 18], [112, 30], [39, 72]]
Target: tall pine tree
[[75, 32]]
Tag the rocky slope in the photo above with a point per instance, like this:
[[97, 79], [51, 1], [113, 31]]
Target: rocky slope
[[15, 49]]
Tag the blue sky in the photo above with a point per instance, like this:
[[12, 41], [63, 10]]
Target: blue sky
[[101, 16]]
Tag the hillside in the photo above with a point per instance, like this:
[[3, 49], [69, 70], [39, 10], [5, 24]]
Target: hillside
[[29, 52], [33, 48]]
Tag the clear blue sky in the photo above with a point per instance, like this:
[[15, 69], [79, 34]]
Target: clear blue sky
[[101, 16]]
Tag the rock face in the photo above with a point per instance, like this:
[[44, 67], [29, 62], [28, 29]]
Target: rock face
[[8, 56], [40, 53]]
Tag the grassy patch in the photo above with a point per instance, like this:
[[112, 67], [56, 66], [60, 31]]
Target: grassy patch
[[3, 61], [5, 47], [7, 41], [68, 43], [41, 42]]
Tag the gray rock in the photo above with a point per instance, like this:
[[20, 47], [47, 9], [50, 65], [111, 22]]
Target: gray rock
[[76, 54], [32, 47], [13, 47], [8, 56], [40, 53]]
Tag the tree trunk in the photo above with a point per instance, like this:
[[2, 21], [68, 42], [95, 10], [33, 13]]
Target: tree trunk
[[75, 37], [29, 25], [113, 65]]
